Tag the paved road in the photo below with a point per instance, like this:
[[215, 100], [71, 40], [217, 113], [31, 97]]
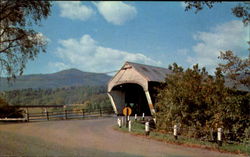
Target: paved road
[[88, 138]]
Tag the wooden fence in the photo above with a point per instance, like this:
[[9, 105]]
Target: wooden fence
[[69, 114], [62, 115]]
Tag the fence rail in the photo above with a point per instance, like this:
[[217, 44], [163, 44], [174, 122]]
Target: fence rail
[[63, 115]]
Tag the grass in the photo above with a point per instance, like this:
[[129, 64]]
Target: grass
[[138, 129]]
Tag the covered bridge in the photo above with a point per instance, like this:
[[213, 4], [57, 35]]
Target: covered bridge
[[133, 86]]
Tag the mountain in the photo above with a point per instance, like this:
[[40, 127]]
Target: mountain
[[65, 78]]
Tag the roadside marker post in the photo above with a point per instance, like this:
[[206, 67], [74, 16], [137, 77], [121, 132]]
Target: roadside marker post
[[147, 131], [135, 117], [219, 136], [175, 132], [119, 122], [129, 125]]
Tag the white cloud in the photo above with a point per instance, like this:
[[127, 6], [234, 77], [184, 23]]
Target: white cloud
[[87, 55], [116, 12], [75, 10], [228, 36]]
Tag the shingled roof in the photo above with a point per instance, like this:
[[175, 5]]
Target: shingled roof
[[138, 74], [151, 73]]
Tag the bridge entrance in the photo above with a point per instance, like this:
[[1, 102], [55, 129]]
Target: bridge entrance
[[134, 97]]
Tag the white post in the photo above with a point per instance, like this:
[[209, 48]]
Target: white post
[[143, 116], [128, 118], [147, 128], [175, 131], [27, 114], [129, 126], [119, 122], [135, 117], [219, 136]]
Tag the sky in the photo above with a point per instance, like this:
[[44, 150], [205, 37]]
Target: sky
[[101, 36]]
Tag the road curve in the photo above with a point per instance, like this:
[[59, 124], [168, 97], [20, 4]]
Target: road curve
[[88, 138]]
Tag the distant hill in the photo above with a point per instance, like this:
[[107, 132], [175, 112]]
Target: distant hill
[[65, 78]]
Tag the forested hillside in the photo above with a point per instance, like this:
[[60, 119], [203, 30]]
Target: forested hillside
[[65, 78], [89, 96]]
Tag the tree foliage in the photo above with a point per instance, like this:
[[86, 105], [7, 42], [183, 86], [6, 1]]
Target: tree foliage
[[236, 68], [7, 111], [242, 10], [92, 97], [193, 98], [18, 41]]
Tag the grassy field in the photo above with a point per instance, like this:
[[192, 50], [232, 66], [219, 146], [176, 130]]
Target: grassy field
[[138, 129]]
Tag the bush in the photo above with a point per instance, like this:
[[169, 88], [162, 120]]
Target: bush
[[199, 103], [7, 111]]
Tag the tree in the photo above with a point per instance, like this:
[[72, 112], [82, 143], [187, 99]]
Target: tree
[[242, 10], [18, 41], [236, 68], [184, 98], [8, 111], [192, 98]]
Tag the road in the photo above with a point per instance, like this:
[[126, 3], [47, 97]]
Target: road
[[87, 138]]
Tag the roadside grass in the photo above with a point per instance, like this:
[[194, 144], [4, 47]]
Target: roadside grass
[[138, 129]]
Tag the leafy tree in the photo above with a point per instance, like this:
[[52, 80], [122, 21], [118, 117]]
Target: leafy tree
[[8, 111], [236, 68], [194, 99], [242, 10], [19, 42]]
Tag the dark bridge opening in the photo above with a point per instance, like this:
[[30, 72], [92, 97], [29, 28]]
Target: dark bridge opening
[[135, 98]]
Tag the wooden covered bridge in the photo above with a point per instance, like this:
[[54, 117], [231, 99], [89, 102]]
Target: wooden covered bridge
[[133, 86]]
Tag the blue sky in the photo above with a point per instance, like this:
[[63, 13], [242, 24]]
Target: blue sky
[[101, 36]]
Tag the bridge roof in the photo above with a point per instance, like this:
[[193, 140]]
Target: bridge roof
[[139, 74], [151, 73]]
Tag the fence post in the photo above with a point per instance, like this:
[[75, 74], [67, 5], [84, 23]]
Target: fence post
[[47, 115], [143, 115], [175, 132], [82, 113], [129, 125], [27, 115], [135, 117], [147, 131], [100, 112], [219, 136], [65, 114]]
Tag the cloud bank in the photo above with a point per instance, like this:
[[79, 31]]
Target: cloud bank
[[75, 10], [87, 55], [114, 12], [228, 36]]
